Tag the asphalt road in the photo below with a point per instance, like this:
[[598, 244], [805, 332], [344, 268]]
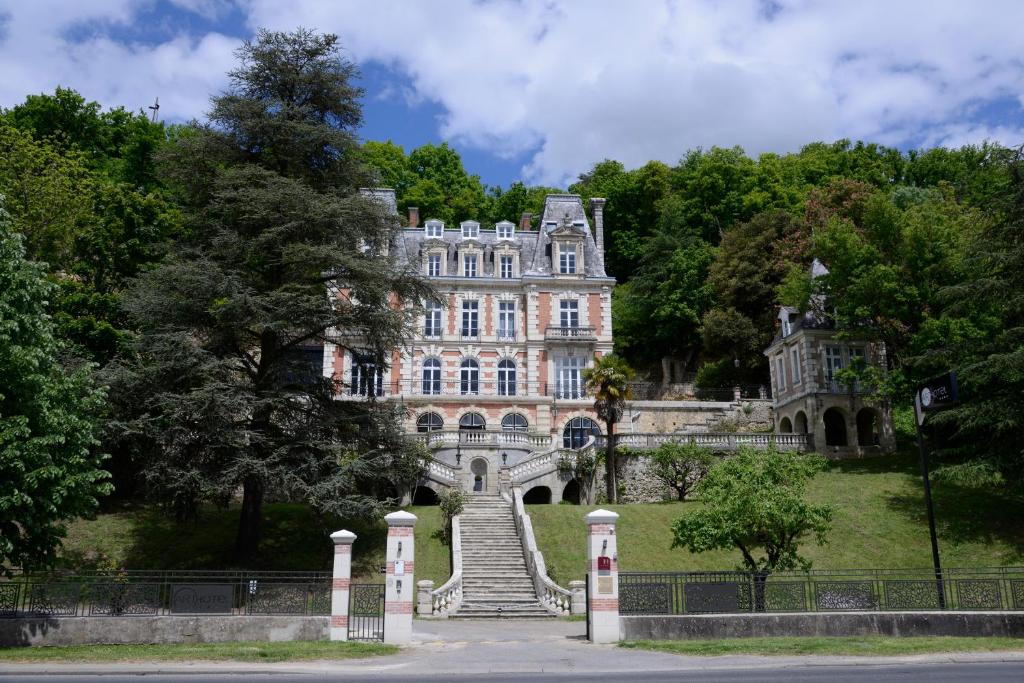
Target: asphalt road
[[941, 672]]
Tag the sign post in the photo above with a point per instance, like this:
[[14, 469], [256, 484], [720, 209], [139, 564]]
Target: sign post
[[932, 396]]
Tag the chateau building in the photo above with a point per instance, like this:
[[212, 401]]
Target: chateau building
[[806, 360], [494, 371]]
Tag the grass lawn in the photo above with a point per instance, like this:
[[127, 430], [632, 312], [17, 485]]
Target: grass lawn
[[294, 539], [879, 522], [874, 646], [210, 652]]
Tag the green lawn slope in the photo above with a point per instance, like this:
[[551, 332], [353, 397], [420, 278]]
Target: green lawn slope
[[879, 522]]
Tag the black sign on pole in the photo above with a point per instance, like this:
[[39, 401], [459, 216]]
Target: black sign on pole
[[932, 396]]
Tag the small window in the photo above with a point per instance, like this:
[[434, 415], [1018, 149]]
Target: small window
[[795, 360], [505, 231], [567, 259], [434, 229], [429, 422], [780, 373], [514, 422], [469, 264], [470, 230], [472, 421], [434, 265], [505, 269]]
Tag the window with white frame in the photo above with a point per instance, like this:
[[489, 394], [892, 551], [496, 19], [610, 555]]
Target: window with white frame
[[794, 359], [434, 265], [505, 231], [469, 377], [432, 312], [780, 373], [787, 327], [470, 319], [514, 422], [367, 377], [505, 267], [470, 230], [469, 265], [833, 362], [569, 313], [432, 376], [567, 259], [506, 320], [507, 378], [434, 229], [569, 377]]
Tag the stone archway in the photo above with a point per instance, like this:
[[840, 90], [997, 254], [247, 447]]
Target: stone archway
[[835, 427], [424, 495], [478, 468], [867, 428], [785, 426], [538, 495], [800, 422], [571, 492]]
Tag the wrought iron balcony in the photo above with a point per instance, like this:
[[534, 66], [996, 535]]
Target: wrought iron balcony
[[583, 334]]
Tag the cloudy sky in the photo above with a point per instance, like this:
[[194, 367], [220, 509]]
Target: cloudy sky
[[539, 90]]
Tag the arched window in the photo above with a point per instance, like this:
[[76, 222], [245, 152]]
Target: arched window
[[507, 378], [432, 376], [514, 422], [469, 377], [429, 422], [578, 431], [472, 421]]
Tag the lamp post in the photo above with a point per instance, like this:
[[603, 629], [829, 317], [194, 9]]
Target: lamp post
[[504, 458], [458, 455]]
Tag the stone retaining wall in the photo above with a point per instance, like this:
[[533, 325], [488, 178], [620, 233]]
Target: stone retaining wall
[[704, 626], [163, 629]]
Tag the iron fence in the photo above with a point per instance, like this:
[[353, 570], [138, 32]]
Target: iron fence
[[159, 593], [982, 589]]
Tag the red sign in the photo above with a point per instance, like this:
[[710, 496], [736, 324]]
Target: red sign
[[604, 563]]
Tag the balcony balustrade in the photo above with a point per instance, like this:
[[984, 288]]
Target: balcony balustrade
[[489, 388], [582, 334]]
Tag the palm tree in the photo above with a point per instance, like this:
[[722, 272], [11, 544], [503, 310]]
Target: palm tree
[[607, 382]]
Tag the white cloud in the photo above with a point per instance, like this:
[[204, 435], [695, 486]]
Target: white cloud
[[37, 53], [575, 82], [572, 82]]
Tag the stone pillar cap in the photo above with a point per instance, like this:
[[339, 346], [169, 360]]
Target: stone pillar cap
[[343, 537], [425, 583], [602, 516], [400, 518]]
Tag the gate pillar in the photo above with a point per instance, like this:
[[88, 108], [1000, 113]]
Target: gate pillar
[[603, 577], [401, 586], [341, 581]]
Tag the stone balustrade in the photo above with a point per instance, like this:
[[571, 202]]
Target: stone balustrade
[[726, 441], [554, 598], [446, 599], [441, 439]]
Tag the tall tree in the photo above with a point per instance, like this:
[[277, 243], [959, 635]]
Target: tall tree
[[608, 382], [281, 254], [49, 468]]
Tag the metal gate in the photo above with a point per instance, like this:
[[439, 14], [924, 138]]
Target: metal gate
[[366, 611], [586, 602]]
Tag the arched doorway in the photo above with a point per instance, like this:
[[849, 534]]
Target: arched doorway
[[800, 423], [866, 428], [424, 495], [538, 495], [578, 431], [785, 426], [571, 492], [478, 468], [835, 427]]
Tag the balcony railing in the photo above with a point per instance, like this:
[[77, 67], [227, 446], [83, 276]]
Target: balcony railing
[[481, 437], [586, 333], [491, 388]]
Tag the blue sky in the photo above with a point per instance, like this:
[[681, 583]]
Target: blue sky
[[539, 90]]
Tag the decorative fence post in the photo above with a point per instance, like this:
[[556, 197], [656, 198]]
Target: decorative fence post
[[398, 596], [341, 580], [603, 576]]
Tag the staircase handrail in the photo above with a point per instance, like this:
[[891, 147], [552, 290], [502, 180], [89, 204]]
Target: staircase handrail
[[555, 599], [447, 599], [544, 462]]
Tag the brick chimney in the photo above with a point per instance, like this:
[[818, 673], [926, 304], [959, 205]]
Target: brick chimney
[[597, 209], [414, 217], [524, 221]]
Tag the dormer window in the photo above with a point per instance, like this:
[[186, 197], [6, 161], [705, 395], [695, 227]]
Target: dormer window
[[579, 224], [505, 230], [434, 229], [550, 225], [787, 327], [470, 230], [567, 259]]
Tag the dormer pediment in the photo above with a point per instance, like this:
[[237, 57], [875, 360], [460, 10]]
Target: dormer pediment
[[570, 231]]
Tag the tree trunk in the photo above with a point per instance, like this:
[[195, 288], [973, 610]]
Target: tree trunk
[[666, 372], [250, 520], [609, 464]]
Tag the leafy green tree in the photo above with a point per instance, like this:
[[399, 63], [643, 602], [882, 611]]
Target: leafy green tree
[[391, 164], [443, 189], [227, 389], [608, 382], [754, 502], [582, 466], [50, 471], [681, 466]]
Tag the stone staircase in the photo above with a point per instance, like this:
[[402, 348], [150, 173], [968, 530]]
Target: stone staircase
[[495, 580]]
